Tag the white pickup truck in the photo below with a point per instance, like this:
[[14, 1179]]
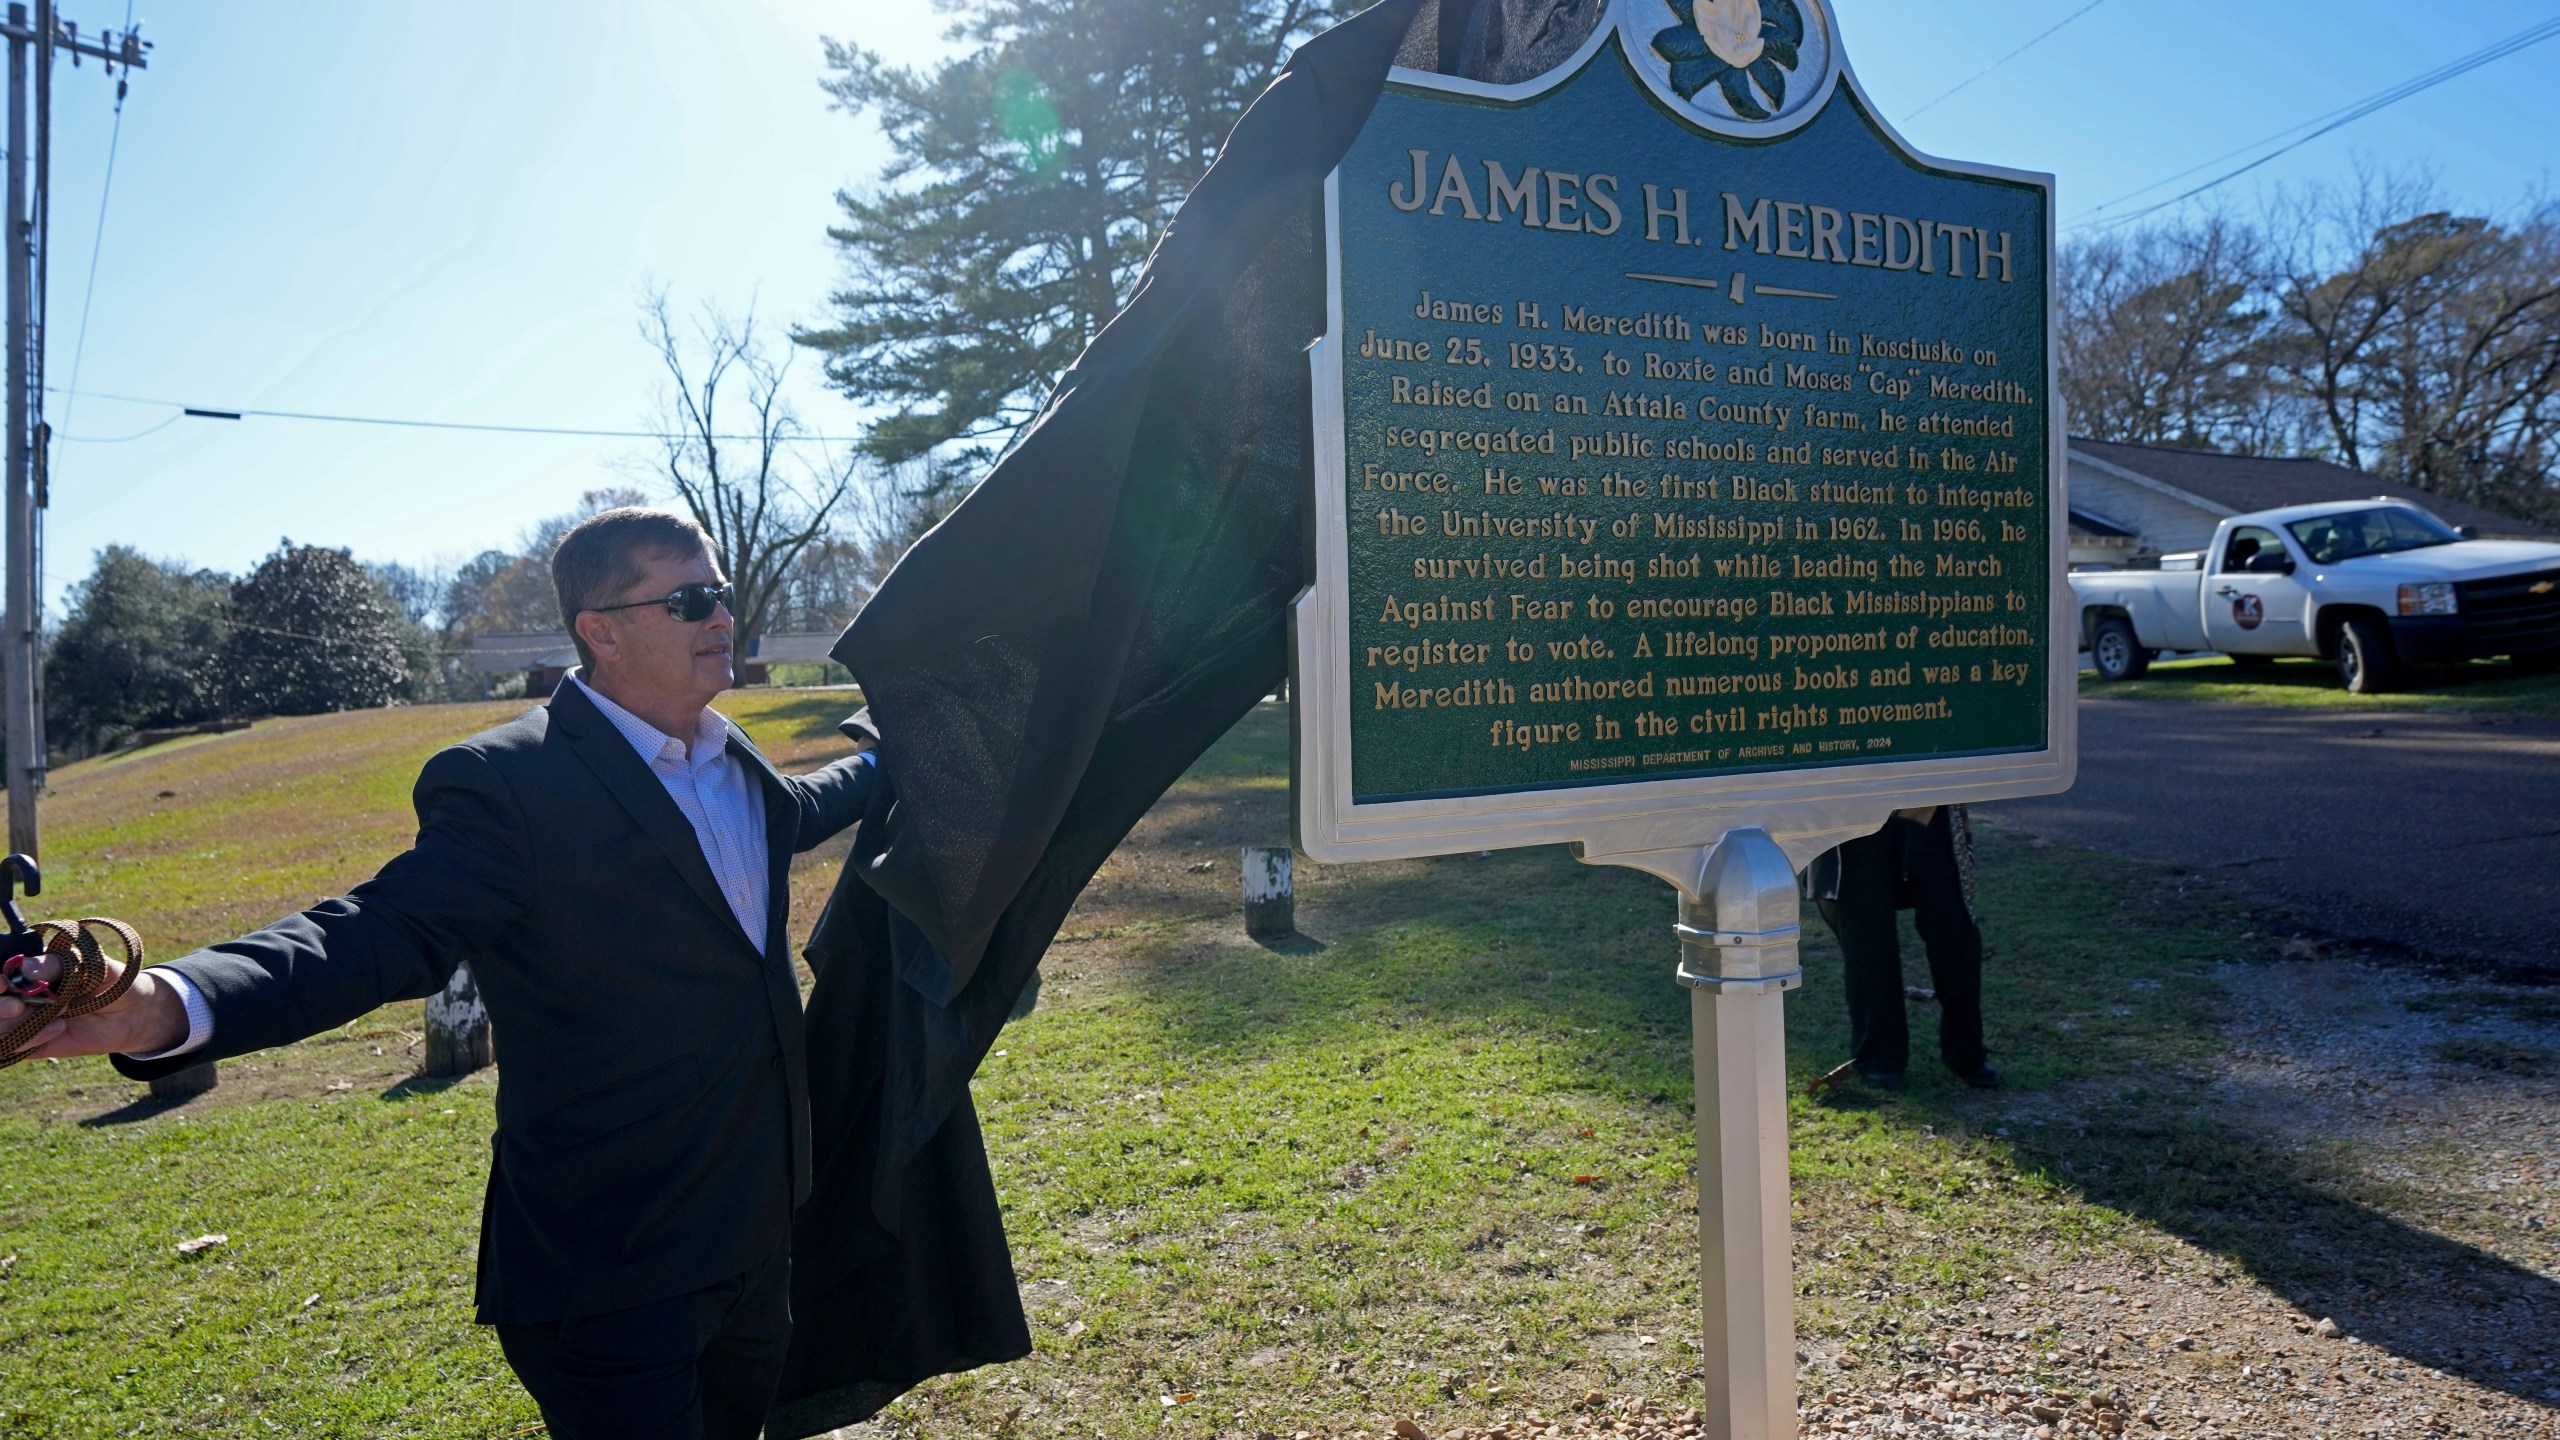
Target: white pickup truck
[[2377, 585]]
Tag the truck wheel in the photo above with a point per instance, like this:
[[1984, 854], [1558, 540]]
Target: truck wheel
[[2366, 662], [2116, 653]]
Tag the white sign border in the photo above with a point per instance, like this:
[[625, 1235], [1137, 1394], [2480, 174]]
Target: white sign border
[[1653, 825]]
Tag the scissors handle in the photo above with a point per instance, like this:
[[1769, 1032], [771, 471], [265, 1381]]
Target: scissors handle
[[16, 870]]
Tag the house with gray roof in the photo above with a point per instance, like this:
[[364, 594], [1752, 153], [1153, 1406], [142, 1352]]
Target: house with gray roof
[[2135, 503], [543, 657]]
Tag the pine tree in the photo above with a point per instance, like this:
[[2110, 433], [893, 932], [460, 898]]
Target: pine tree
[[1031, 178]]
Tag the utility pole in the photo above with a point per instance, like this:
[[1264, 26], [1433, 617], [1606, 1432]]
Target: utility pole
[[21, 630]]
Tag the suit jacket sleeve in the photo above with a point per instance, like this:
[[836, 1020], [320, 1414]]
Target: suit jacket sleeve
[[832, 798], [398, 936]]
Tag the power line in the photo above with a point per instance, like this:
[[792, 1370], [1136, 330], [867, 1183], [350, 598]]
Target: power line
[[97, 243], [2523, 39], [2344, 113], [491, 651], [117, 439], [2005, 59], [204, 412]]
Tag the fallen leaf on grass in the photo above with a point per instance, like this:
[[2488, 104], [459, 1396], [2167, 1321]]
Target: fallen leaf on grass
[[1407, 1430], [202, 1243], [1586, 1179], [1202, 867], [1831, 1079], [7, 1262], [1586, 1134]]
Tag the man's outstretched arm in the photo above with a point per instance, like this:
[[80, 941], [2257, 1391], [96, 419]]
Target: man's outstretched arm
[[397, 936], [834, 797]]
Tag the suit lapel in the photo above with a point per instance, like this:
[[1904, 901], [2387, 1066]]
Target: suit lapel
[[782, 979], [631, 782], [781, 834]]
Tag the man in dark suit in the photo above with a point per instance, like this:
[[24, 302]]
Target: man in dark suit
[[615, 868]]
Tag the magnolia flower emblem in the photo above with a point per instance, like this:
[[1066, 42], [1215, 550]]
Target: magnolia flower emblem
[[1731, 29], [1745, 48]]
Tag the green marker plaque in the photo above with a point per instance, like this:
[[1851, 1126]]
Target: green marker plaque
[[1688, 457]]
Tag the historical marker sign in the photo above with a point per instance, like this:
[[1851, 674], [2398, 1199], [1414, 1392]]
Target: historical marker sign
[[1688, 457]]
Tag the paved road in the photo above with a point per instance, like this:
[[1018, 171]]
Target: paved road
[[2438, 832]]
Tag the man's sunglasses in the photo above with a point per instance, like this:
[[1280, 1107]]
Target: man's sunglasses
[[690, 603]]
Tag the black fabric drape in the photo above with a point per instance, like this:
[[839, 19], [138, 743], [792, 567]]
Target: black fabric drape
[[1042, 667]]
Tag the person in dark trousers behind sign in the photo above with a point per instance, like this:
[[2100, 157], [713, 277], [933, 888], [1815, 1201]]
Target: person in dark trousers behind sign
[[1922, 859]]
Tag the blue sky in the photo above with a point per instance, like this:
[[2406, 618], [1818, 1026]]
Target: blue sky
[[446, 212]]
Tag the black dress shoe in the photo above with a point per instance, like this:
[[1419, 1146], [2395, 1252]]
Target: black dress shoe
[[1882, 1079], [1984, 1077]]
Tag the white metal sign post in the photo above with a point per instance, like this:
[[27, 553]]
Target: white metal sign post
[[1688, 489], [1738, 955]]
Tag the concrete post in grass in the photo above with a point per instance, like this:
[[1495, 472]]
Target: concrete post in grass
[[1270, 903], [458, 1038]]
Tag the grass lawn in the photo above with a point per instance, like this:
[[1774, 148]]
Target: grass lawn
[[1430, 1159], [2489, 687]]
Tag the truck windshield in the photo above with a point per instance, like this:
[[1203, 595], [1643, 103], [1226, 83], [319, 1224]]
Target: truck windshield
[[2328, 539]]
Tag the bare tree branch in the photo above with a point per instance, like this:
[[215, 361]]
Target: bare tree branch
[[762, 512]]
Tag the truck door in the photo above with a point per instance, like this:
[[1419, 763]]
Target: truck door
[[2249, 607]]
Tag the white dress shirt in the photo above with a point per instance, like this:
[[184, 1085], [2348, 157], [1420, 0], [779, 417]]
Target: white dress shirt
[[715, 792], [712, 787]]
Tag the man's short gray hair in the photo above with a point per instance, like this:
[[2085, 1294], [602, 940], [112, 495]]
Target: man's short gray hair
[[608, 553]]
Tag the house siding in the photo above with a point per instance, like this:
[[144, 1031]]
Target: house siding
[[2166, 523]]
